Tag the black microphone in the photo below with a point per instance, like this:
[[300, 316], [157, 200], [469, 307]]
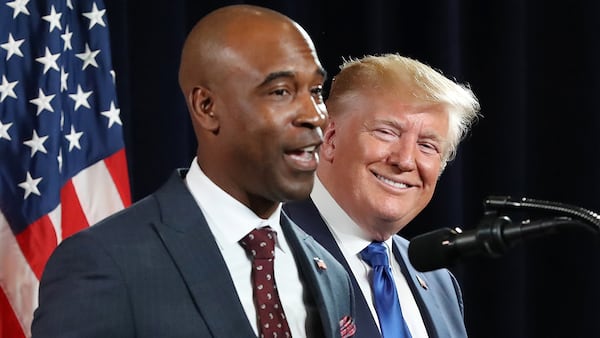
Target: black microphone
[[494, 235]]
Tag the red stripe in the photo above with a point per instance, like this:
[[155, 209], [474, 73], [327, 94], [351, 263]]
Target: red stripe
[[9, 325], [117, 166], [73, 219], [37, 243]]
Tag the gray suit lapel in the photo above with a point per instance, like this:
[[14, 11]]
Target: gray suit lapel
[[426, 300], [317, 280], [188, 239]]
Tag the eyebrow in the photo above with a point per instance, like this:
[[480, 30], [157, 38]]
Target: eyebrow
[[289, 74]]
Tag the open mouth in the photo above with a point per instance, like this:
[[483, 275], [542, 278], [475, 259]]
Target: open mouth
[[304, 158]]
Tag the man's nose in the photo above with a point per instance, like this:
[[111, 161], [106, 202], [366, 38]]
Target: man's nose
[[403, 153], [312, 114]]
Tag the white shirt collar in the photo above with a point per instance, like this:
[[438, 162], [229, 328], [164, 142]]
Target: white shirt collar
[[228, 219], [345, 231]]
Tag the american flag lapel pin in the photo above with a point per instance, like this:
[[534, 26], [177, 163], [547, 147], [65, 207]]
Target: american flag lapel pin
[[320, 263], [422, 282]]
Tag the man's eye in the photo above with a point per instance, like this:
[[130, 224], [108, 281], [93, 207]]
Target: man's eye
[[280, 92], [429, 148], [317, 91]]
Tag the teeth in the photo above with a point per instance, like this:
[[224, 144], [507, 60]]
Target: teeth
[[309, 149], [392, 183]]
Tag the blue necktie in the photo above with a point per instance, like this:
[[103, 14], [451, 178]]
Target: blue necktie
[[384, 291]]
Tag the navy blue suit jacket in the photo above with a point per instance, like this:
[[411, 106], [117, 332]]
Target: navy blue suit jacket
[[154, 270], [440, 303]]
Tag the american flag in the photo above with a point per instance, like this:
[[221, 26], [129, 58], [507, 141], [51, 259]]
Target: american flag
[[62, 157]]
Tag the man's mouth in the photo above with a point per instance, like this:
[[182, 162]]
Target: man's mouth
[[305, 159], [390, 182]]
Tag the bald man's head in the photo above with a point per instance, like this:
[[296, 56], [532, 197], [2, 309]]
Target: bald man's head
[[223, 33]]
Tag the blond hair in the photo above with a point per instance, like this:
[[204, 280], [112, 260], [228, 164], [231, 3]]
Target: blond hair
[[392, 72]]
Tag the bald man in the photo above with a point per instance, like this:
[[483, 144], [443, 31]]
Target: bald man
[[172, 265]]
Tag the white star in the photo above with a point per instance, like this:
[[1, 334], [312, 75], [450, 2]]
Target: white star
[[19, 6], [113, 115], [49, 60], [59, 159], [4, 130], [69, 4], [113, 75], [95, 16], [73, 138], [88, 57], [80, 98], [30, 185], [54, 19], [36, 143], [43, 102], [67, 39], [7, 89], [63, 79], [12, 46]]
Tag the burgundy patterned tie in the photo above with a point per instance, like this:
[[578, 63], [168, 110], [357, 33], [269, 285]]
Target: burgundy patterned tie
[[260, 245]]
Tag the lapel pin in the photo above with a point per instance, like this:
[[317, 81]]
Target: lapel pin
[[422, 282], [320, 263]]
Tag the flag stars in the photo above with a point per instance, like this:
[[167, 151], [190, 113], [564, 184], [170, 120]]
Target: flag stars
[[12, 47], [80, 98], [19, 6], [30, 186], [59, 159], [73, 139], [66, 36], [54, 19], [36, 143], [4, 130], [113, 115], [95, 16], [48, 60], [88, 57], [7, 89], [43, 102], [64, 76]]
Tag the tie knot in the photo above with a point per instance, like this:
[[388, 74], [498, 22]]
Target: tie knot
[[375, 254], [260, 243]]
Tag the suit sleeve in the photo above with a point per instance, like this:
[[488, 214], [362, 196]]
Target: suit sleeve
[[82, 294]]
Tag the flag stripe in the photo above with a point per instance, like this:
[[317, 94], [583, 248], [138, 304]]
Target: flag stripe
[[117, 166], [73, 218], [37, 243], [97, 192], [9, 325], [18, 283]]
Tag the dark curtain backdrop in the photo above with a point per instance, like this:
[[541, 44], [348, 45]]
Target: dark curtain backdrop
[[535, 65]]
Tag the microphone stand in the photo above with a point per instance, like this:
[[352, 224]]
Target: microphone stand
[[496, 232]]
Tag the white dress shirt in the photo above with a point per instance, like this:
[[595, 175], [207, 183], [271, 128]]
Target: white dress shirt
[[229, 221], [351, 240]]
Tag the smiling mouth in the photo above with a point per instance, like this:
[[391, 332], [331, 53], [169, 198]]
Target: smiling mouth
[[395, 184]]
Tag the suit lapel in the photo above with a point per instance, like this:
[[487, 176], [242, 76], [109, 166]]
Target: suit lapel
[[307, 216], [426, 301], [188, 239]]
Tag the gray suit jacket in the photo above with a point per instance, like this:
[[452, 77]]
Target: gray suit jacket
[[440, 302], [154, 270]]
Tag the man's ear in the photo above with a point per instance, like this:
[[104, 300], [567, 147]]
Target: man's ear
[[328, 146], [202, 104]]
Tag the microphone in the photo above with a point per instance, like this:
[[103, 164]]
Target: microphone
[[494, 234]]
